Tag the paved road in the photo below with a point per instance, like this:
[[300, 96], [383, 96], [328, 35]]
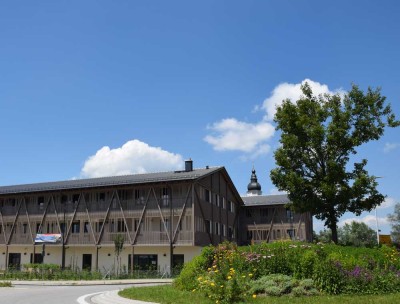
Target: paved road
[[21, 294]]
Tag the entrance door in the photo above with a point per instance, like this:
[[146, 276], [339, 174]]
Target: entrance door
[[14, 261], [87, 262]]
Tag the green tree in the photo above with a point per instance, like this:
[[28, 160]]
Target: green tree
[[118, 247], [394, 220], [357, 235], [318, 136]]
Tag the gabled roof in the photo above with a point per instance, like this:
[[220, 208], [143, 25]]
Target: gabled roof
[[265, 200], [110, 181]]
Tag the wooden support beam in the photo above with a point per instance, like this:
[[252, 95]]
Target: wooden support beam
[[181, 215], [124, 218], [14, 222], [105, 218], [161, 215], [141, 217], [272, 224], [202, 215]]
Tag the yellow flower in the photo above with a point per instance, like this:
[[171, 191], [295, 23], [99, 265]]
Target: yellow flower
[[209, 269], [216, 270], [215, 266], [250, 275], [229, 277], [217, 301], [212, 284], [222, 286], [194, 290], [254, 296]]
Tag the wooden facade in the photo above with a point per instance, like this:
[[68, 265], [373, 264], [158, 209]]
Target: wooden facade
[[190, 209]]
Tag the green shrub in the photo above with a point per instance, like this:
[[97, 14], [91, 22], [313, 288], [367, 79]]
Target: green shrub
[[187, 279], [328, 276]]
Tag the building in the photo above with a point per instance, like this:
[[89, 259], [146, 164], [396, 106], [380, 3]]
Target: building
[[267, 218], [164, 218]]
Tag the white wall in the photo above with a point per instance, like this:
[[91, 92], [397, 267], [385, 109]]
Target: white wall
[[106, 262]]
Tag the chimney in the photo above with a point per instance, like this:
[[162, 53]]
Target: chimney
[[188, 165]]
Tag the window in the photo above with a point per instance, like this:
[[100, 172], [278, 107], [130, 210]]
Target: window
[[75, 198], [12, 202], [64, 199], [231, 207], [223, 230], [208, 226], [111, 226], [98, 225], [41, 202], [101, 197], [264, 212], [217, 228], [207, 195], [123, 195], [165, 197], [75, 227], [223, 203], [291, 233], [143, 261], [289, 214], [24, 228], [139, 197], [121, 226], [217, 200], [231, 232], [86, 227]]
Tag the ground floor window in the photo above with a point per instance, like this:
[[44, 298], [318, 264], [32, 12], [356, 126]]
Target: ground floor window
[[37, 259], [177, 262], [14, 261], [143, 262]]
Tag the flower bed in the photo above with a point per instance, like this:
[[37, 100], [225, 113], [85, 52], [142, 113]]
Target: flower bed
[[228, 274]]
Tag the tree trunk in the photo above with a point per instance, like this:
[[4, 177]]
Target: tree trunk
[[334, 232]]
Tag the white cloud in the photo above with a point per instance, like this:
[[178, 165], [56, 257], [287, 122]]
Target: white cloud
[[133, 157], [231, 134], [275, 191], [293, 92], [387, 203], [369, 219], [390, 147]]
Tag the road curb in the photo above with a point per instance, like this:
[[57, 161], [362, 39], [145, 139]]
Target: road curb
[[92, 283]]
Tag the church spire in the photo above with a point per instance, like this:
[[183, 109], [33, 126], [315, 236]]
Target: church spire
[[253, 188]]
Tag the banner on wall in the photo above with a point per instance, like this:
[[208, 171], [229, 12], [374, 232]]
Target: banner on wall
[[48, 238]]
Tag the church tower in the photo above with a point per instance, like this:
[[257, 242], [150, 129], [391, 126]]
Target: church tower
[[253, 188]]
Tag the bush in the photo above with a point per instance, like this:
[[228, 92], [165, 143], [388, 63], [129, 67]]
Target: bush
[[296, 268], [279, 285], [191, 270]]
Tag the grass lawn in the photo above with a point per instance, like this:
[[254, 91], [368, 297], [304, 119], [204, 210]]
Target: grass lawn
[[167, 295]]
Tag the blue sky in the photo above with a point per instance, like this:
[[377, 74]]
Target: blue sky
[[91, 88]]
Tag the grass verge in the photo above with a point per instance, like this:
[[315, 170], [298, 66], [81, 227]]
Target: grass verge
[[166, 294], [5, 284]]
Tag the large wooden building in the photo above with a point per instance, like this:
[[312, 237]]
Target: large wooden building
[[164, 219]]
